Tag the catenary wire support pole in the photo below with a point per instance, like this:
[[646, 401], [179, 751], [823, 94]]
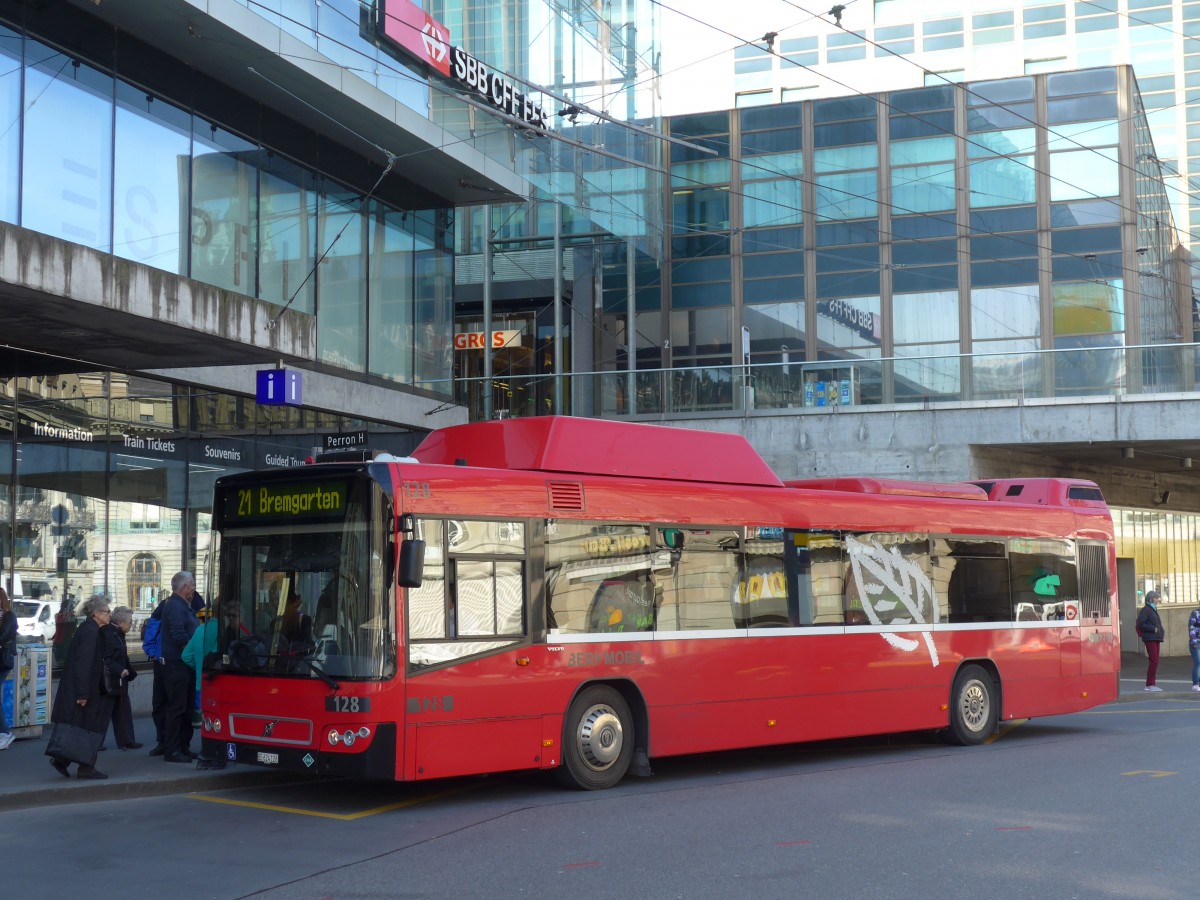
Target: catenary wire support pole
[[630, 330], [558, 311], [487, 321]]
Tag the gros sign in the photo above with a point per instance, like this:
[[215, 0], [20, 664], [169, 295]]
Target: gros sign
[[474, 340]]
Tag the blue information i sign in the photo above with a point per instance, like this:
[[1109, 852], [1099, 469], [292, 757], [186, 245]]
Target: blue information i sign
[[278, 387]]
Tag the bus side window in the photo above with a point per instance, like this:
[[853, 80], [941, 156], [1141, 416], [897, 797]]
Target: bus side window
[[709, 568]]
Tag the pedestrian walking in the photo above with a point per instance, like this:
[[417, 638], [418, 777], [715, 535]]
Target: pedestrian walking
[[1150, 629], [116, 660], [8, 659], [81, 708], [1194, 647]]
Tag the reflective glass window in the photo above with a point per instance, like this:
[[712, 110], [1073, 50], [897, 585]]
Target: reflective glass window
[[10, 114], [923, 188], [924, 278], [433, 296], [341, 280], [224, 209], [784, 139], [150, 187], [287, 233], [1002, 143], [765, 240], [927, 317], [392, 264], [772, 203], [849, 196], [66, 176], [700, 209], [1079, 174], [1088, 307], [850, 324], [774, 164], [1003, 182], [1001, 313], [1101, 106], [844, 158], [904, 153]]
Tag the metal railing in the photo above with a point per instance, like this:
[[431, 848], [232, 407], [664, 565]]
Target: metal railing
[[1108, 371]]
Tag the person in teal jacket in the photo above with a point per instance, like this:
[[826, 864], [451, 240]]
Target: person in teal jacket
[[202, 642]]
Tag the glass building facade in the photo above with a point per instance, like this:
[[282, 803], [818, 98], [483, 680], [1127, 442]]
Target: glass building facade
[[926, 244], [901, 42]]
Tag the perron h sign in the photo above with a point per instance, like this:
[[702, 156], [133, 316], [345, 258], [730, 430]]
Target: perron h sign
[[278, 387]]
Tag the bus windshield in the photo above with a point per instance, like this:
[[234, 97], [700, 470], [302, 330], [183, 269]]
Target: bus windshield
[[300, 580]]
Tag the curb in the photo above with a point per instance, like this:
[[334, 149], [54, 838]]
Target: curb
[[92, 792]]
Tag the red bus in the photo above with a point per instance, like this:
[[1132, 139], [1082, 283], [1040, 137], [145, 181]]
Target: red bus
[[584, 596]]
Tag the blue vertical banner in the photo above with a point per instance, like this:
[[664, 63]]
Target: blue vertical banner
[[6, 698], [278, 387]]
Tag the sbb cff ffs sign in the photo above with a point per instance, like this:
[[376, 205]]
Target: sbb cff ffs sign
[[474, 340]]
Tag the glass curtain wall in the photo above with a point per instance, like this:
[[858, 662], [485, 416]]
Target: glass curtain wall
[[98, 161]]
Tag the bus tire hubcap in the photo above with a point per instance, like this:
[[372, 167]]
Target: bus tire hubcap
[[600, 737], [974, 706]]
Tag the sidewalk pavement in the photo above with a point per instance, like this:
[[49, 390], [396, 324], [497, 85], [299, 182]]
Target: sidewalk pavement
[[27, 780]]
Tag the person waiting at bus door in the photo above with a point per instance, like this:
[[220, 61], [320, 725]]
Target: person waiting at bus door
[[179, 622], [1150, 629]]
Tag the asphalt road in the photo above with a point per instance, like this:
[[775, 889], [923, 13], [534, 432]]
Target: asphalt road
[[1098, 804]]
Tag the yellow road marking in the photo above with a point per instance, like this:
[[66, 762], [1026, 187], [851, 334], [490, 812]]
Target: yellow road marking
[[1005, 729], [341, 817]]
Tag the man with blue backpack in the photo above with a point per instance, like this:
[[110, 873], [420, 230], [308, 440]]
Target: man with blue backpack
[[152, 647]]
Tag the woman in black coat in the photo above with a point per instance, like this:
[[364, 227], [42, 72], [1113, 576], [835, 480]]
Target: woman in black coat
[[120, 670], [80, 699]]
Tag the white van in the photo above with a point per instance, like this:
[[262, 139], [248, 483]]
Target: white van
[[35, 620]]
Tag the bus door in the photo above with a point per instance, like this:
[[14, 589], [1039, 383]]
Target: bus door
[[468, 695]]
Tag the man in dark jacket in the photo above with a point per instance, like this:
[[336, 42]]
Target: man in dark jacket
[[178, 622], [1150, 628]]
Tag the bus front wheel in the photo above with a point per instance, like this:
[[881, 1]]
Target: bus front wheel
[[597, 740], [973, 709]]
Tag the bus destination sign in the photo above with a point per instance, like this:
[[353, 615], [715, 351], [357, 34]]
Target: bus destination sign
[[285, 501]]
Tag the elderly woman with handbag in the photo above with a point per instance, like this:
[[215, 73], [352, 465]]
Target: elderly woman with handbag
[[118, 672], [82, 709]]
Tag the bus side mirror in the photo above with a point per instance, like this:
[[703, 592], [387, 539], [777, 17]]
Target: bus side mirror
[[411, 567]]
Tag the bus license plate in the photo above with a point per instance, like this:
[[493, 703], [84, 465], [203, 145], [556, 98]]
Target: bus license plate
[[348, 704]]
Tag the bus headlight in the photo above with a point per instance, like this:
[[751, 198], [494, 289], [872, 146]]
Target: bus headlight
[[334, 737], [349, 738]]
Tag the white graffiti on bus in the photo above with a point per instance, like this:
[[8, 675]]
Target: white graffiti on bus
[[887, 580]]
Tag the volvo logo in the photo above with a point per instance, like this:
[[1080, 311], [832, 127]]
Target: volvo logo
[[269, 727]]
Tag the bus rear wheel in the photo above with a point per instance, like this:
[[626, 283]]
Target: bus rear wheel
[[973, 709], [597, 740]]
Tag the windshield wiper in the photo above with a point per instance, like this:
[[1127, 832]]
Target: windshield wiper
[[319, 672]]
